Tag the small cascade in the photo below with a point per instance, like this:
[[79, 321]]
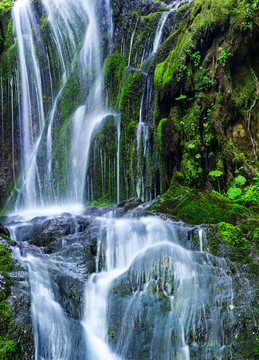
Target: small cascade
[[145, 178], [142, 141], [51, 328], [118, 158], [131, 42], [94, 322], [159, 30], [200, 232], [162, 22]]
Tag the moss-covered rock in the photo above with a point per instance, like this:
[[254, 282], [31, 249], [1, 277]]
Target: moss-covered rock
[[199, 89], [197, 207]]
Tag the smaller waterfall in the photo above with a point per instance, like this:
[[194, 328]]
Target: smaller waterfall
[[162, 22], [142, 140], [94, 321], [131, 41], [118, 158], [13, 137], [200, 232], [159, 30], [51, 328]]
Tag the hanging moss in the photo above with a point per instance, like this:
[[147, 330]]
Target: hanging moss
[[129, 107], [113, 70], [102, 166]]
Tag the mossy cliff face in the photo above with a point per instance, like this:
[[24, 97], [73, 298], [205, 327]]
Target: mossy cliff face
[[203, 90], [207, 89]]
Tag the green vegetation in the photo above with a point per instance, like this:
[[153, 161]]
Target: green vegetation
[[102, 166], [8, 347], [196, 86], [197, 207], [113, 72], [233, 237]]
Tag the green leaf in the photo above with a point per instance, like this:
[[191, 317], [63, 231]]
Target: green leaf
[[232, 307], [215, 173], [234, 192], [181, 97], [241, 180]]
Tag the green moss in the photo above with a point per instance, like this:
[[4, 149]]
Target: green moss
[[6, 238], [102, 164], [8, 347], [113, 72], [70, 99], [6, 262], [196, 207], [8, 350], [231, 235]]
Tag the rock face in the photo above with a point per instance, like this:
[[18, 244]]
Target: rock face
[[147, 310], [4, 230]]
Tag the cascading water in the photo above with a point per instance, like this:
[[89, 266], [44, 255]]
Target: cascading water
[[150, 297], [31, 90], [65, 22], [142, 129], [104, 287]]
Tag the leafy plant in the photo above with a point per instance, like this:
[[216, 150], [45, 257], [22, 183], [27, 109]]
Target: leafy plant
[[223, 57], [196, 58], [216, 174], [233, 192]]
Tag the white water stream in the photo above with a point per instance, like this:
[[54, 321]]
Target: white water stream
[[149, 286]]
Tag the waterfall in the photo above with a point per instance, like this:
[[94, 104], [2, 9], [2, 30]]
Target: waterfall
[[51, 328], [150, 296], [118, 158], [73, 52], [31, 92], [131, 42]]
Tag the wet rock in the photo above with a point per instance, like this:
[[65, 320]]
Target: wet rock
[[4, 230], [130, 204], [26, 249], [57, 228]]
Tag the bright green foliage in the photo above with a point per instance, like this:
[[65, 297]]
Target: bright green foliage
[[6, 262], [196, 207], [196, 58], [233, 237], [216, 174], [5, 4], [234, 192], [8, 348], [244, 13], [223, 57]]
